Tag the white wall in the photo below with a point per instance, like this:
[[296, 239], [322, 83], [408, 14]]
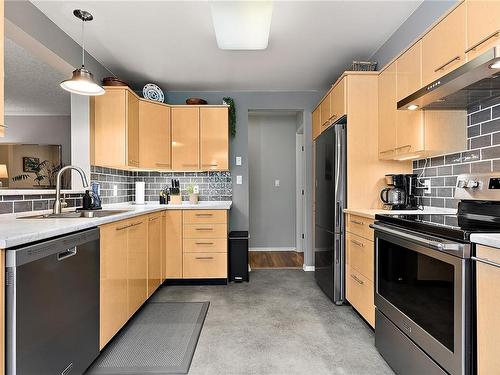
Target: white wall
[[271, 149]]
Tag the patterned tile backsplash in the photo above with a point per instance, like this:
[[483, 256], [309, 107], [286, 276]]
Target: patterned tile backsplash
[[214, 186], [482, 155], [34, 202]]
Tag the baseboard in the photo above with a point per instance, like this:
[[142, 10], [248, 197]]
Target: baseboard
[[308, 268], [272, 249]]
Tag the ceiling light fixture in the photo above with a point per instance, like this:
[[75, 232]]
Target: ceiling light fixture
[[82, 82], [412, 107], [242, 25], [495, 65]]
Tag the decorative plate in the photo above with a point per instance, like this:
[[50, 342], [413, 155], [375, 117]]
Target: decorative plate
[[153, 92]]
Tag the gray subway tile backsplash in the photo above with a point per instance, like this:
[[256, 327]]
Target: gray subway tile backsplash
[[482, 156]]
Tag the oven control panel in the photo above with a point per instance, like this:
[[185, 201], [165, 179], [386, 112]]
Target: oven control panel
[[485, 186]]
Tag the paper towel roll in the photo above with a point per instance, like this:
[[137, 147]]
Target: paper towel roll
[[139, 192]]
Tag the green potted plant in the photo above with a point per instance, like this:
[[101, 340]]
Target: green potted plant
[[231, 113], [193, 191]]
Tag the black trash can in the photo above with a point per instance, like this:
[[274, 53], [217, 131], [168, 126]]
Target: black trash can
[[238, 256]]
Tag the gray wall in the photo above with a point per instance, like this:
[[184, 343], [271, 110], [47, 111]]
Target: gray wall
[[245, 101], [271, 156], [420, 20], [45, 130]]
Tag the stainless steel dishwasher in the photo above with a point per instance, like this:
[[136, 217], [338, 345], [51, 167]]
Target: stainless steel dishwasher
[[52, 298]]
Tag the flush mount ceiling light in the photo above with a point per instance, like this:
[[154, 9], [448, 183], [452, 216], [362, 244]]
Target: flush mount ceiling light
[[412, 107], [82, 82], [242, 25]]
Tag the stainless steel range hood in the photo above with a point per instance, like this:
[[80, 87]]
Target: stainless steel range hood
[[475, 82]]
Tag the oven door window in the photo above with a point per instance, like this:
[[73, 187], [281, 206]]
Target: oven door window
[[420, 286]]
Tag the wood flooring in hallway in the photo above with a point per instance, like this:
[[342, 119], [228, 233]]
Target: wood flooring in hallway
[[276, 259]]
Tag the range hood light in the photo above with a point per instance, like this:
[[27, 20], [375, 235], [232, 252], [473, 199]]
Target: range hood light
[[412, 107], [495, 65]]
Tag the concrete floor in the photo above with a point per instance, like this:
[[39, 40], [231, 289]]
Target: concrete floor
[[279, 323]]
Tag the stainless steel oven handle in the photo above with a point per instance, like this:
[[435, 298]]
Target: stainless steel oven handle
[[442, 246], [486, 261]]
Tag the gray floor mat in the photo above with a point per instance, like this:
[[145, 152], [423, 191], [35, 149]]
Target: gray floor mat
[[160, 339]]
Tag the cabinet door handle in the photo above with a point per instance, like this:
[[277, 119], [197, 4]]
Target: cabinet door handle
[[387, 151], [204, 258], [210, 165], [163, 164], [204, 215], [133, 161], [189, 165], [361, 282], [357, 243], [204, 243], [492, 35], [154, 218], [401, 147], [486, 261], [357, 222], [135, 224], [207, 229], [124, 227], [456, 58]]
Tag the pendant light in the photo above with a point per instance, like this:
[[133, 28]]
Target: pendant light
[[82, 82]]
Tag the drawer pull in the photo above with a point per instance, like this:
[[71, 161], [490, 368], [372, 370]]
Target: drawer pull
[[154, 218], [361, 282], [210, 165], [357, 243], [204, 243], [204, 215], [492, 35], [204, 258], [135, 224], [357, 222], [124, 227], [456, 58], [206, 229]]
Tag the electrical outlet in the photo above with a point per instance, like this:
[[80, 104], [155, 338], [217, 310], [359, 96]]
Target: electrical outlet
[[115, 190], [239, 180], [238, 160], [427, 187], [277, 183]]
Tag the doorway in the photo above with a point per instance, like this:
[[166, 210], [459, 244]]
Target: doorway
[[276, 189]]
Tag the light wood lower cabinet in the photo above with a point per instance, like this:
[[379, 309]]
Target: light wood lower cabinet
[[205, 265], [360, 274], [487, 310], [173, 244], [113, 280], [154, 252], [137, 264]]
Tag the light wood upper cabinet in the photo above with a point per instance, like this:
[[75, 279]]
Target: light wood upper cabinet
[[173, 244], [132, 130], [483, 26], [387, 115], [137, 263], [443, 48], [154, 252], [2, 119], [338, 100], [115, 129], [409, 71], [316, 123], [154, 136], [113, 308], [185, 139], [214, 138], [325, 110]]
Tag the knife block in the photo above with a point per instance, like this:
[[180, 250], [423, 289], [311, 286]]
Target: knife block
[[175, 199]]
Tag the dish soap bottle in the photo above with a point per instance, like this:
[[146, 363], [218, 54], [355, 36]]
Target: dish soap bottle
[[87, 201]]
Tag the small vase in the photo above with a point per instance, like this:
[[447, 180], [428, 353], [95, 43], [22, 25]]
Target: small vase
[[193, 198]]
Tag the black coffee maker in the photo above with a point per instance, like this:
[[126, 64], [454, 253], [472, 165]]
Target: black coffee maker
[[400, 195]]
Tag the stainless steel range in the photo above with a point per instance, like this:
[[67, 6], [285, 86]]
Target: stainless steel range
[[424, 288]]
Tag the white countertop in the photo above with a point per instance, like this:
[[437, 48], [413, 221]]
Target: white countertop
[[15, 232], [371, 212], [486, 239]]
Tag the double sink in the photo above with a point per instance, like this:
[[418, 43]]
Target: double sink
[[76, 214]]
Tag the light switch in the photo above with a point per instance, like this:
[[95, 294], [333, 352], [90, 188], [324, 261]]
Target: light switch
[[115, 190], [239, 180], [427, 187], [277, 183], [238, 160]]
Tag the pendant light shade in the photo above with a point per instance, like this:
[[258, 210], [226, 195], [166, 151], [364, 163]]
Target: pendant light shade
[[82, 82]]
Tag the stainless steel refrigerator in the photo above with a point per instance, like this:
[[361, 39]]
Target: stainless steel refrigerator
[[330, 189]]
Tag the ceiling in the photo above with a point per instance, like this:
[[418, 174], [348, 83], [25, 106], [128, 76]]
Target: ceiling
[[173, 43], [32, 86]]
